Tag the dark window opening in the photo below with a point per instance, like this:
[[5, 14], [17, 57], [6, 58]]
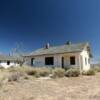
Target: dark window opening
[[32, 61], [8, 62], [72, 60], [49, 61], [62, 62]]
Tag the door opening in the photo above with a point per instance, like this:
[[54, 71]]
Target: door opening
[[62, 62], [32, 61]]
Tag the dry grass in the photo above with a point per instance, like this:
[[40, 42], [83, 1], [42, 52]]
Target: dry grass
[[78, 88], [37, 72]]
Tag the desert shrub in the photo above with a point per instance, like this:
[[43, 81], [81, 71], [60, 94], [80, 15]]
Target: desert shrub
[[2, 68], [38, 72], [30, 71], [42, 72], [45, 72], [89, 72], [15, 76], [3, 80], [58, 72], [26, 77], [72, 72], [14, 69], [27, 70], [67, 68], [97, 69], [70, 67]]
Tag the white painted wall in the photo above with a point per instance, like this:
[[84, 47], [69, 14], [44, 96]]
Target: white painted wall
[[85, 55], [40, 60], [67, 59], [4, 64]]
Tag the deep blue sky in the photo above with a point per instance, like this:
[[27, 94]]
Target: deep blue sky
[[35, 22]]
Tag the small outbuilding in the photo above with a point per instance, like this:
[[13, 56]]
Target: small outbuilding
[[9, 61]]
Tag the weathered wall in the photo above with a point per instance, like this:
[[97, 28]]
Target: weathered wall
[[40, 60], [4, 64], [85, 55], [67, 60]]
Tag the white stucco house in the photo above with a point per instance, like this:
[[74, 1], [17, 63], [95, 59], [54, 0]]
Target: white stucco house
[[67, 55], [9, 61]]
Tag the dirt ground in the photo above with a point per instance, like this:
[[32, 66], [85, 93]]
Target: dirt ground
[[80, 88]]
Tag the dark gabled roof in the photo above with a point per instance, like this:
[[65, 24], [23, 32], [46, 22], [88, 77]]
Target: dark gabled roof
[[9, 58], [67, 48]]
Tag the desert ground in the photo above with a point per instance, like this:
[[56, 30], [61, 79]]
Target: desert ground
[[76, 88]]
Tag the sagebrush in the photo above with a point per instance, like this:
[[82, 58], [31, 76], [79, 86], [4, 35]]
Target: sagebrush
[[72, 72]]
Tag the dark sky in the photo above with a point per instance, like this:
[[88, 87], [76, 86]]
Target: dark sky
[[36, 22]]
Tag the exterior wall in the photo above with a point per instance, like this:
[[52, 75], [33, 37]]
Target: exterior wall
[[67, 60], [27, 61], [40, 60], [85, 55], [4, 64]]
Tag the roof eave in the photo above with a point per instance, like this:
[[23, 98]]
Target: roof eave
[[52, 53]]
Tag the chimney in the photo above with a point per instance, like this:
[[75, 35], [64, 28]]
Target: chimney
[[68, 42], [47, 46]]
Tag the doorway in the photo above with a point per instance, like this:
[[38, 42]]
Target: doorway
[[32, 61], [62, 62]]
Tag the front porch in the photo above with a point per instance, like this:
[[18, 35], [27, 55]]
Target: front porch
[[71, 60]]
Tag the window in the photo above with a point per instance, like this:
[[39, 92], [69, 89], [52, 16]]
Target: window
[[72, 60], [8, 62], [32, 61], [49, 61]]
